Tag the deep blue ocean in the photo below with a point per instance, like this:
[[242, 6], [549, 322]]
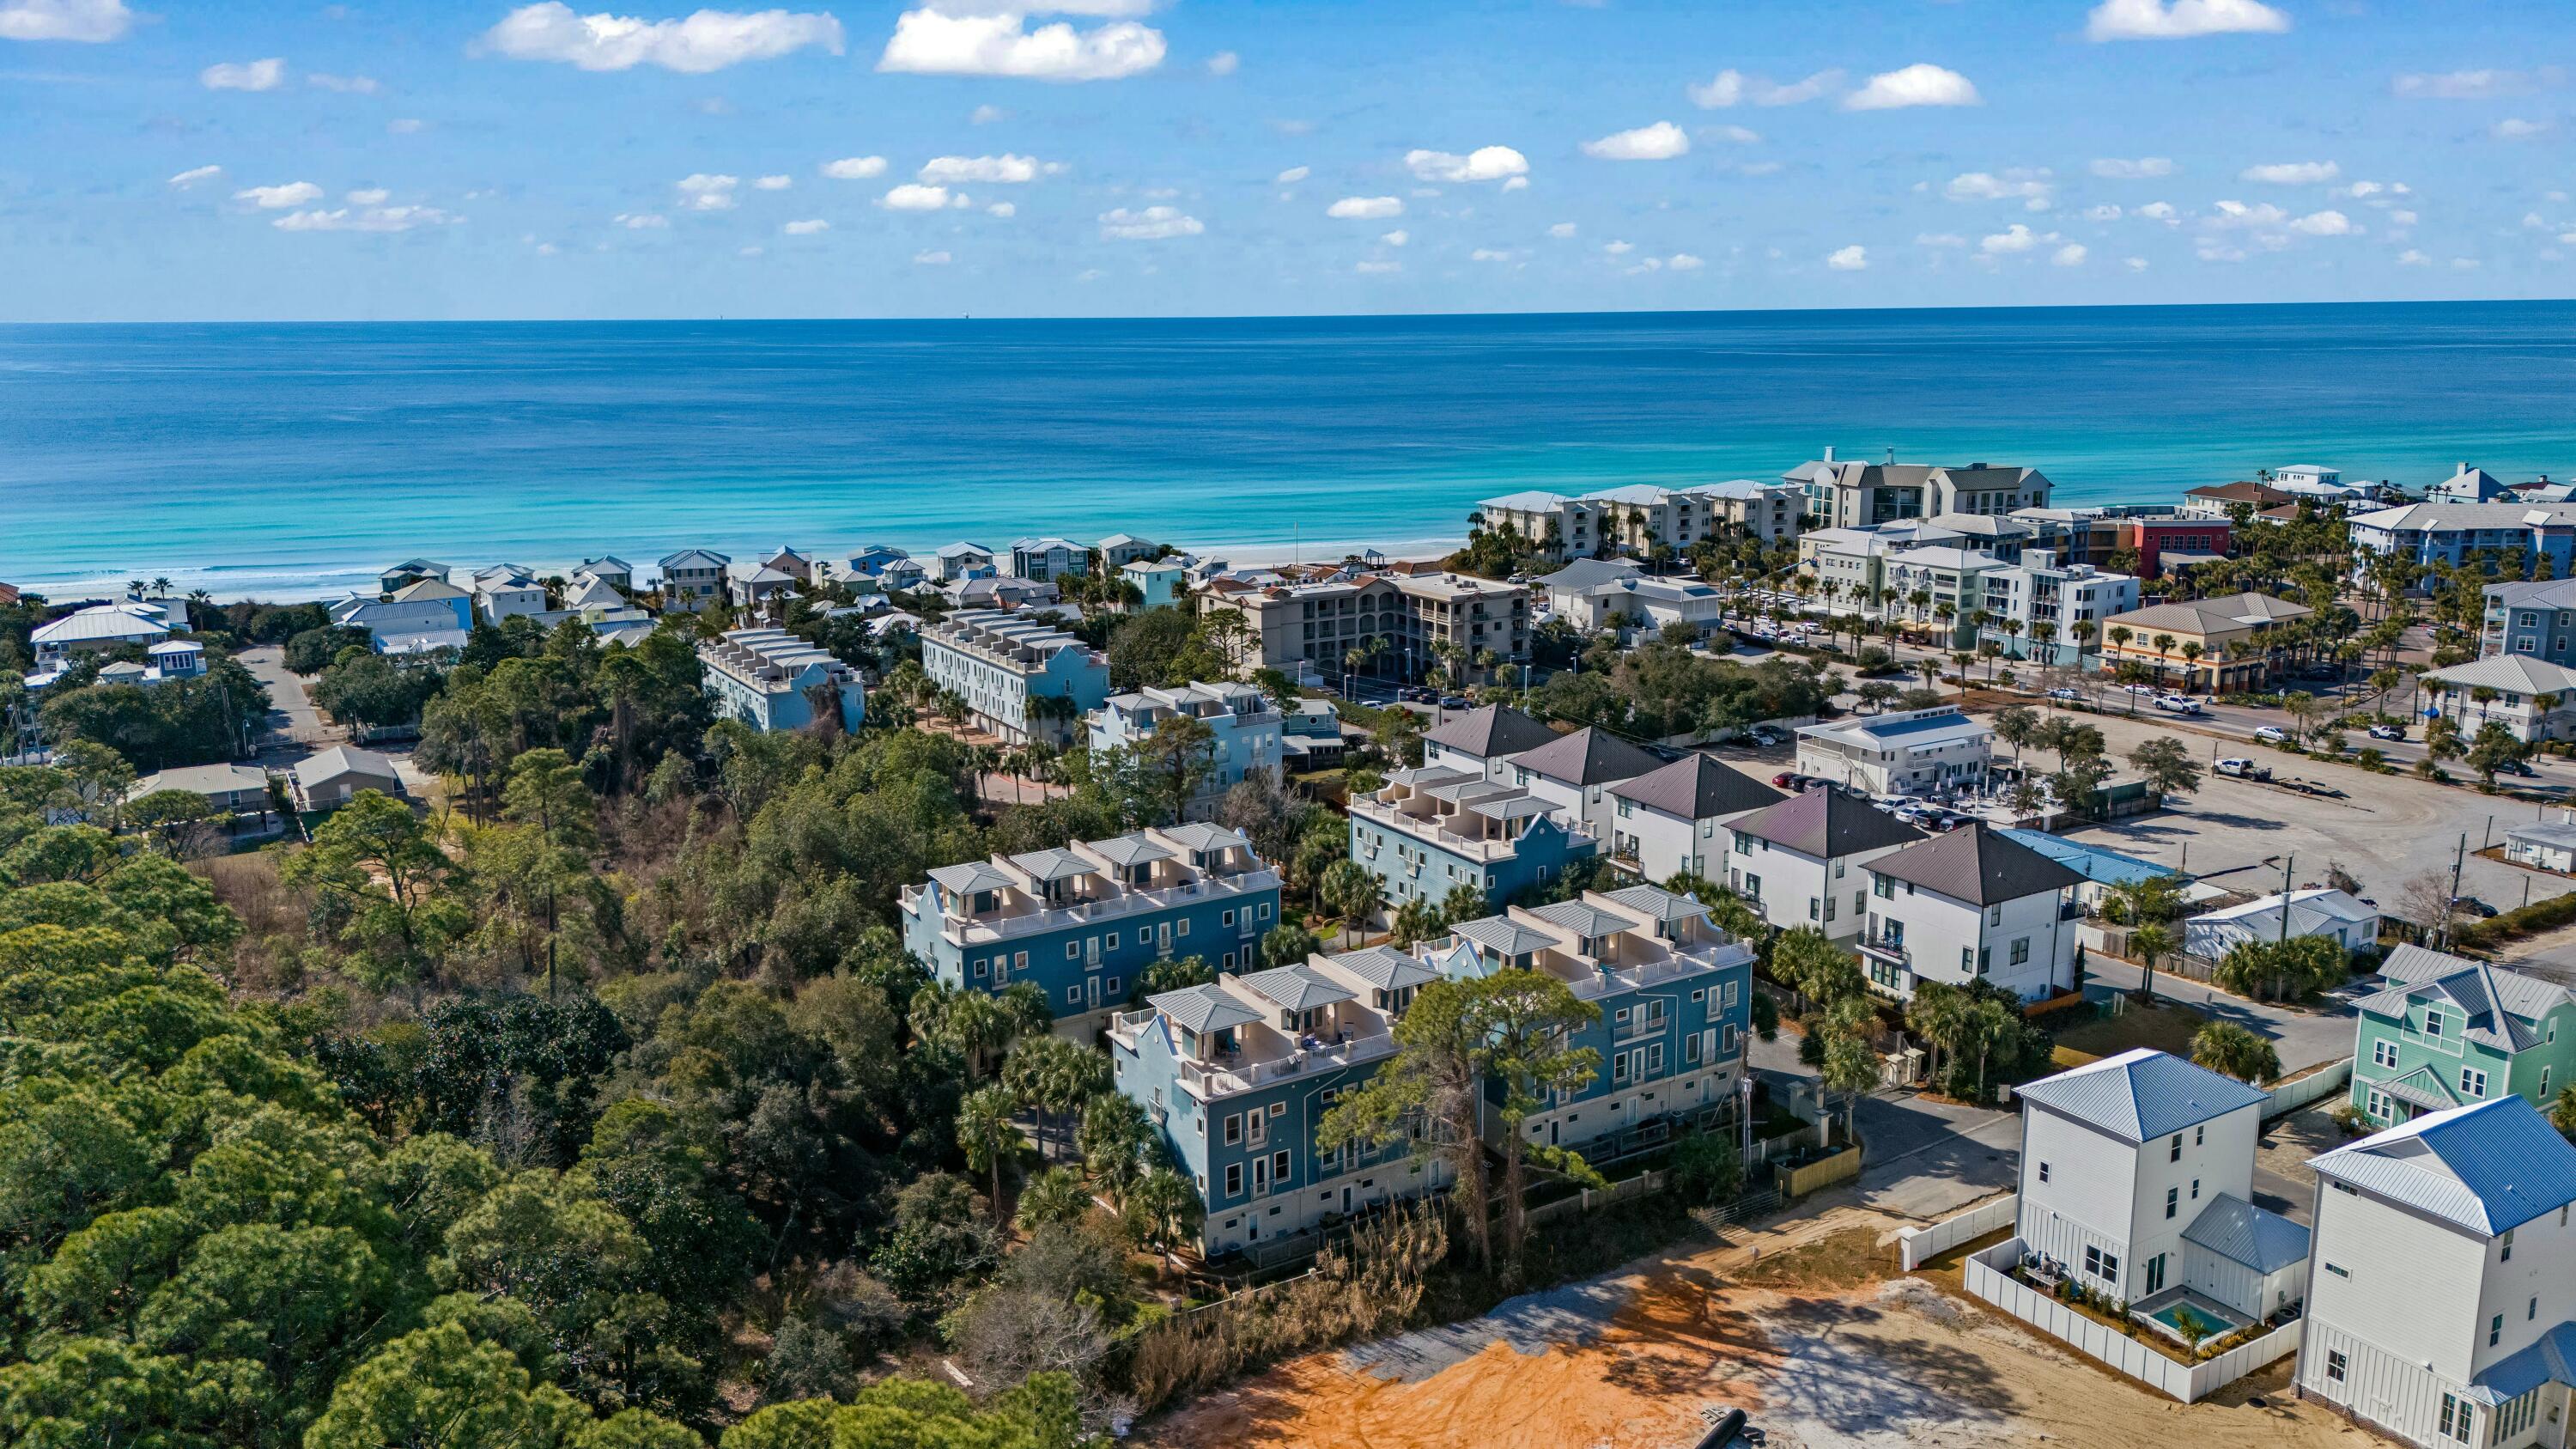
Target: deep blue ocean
[[294, 460]]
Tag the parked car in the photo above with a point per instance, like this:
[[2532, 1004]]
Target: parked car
[[2387, 732], [2472, 906], [2517, 767], [2272, 735], [1456, 701], [2177, 704], [1790, 780], [2148, 690], [1416, 694], [2243, 768], [1766, 736], [2062, 692]]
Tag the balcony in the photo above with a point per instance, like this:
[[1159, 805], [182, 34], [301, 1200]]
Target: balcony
[[1890, 949], [1005, 925], [1238, 1072]]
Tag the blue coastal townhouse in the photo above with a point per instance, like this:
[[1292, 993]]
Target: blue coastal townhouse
[[1434, 828], [1238, 1074], [1082, 922], [1675, 994]]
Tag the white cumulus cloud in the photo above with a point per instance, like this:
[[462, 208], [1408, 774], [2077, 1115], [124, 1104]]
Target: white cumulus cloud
[[1365, 208], [2292, 173], [2070, 255], [2030, 187], [279, 198], [2181, 19], [912, 196], [2460, 85], [642, 221], [1661, 141], [1397, 237], [1853, 258], [248, 75], [1561, 230], [371, 196], [773, 183], [1734, 87], [2413, 258], [1003, 209], [855, 168], [1919, 84], [702, 192], [2158, 211], [1683, 262], [2325, 223], [1485, 163], [2515, 128], [1618, 248], [366, 218], [933, 41], [1224, 62], [931, 259], [1153, 223], [93, 22], [2114, 168], [1004, 170], [986, 115], [2105, 212], [2015, 238], [812, 226], [1489, 254], [708, 40], [195, 174]]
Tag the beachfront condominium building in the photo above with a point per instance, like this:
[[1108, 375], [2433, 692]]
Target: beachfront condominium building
[[1244, 734], [1613, 594], [2137, 1181], [1971, 905], [1857, 495], [1022, 678], [1431, 829], [2536, 618], [2442, 1280], [2448, 1032], [1753, 509], [1047, 558], [2530, 696], [1080, 923], [1558, 525], [2050, 611], [1934, 751], [2453, 533], [1238, 1073], [1666, 821], [693, 579], [1401, 623], [2218, 646], [1939, 588], [1639, 518], [772, 681], [1674, 992], [1800, 862]]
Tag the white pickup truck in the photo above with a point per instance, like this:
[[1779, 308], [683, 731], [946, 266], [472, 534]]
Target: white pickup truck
[[2243, 768], [2177, 704]]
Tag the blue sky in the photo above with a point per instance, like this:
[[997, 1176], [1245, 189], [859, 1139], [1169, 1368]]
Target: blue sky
[[474, 158]]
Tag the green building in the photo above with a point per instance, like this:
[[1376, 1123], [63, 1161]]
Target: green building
[[2450, 1032]]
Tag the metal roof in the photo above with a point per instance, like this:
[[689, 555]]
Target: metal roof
[[1200, 835], [2549, 1359], [1299, 987], [1126, 850], [1584, 918], [1047, 865], [2487, 1167], [2093, 862], [973, 875], [1386, 968], [2242, 1233], [2142, 1094], [1203, 1008], [342, 760], [103, 621], [1656, 903], [1504, 936], [1824, 822]]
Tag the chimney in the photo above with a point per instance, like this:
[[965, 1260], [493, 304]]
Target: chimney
[[1829, 452]]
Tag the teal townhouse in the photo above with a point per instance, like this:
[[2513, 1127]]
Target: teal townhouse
[[1083, 922], [1239, 1073], [2451, 1032], [1434, 828], [772, 681]]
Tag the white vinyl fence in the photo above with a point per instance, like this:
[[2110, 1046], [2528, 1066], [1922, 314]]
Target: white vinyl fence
[[2324, 1082], [1988, 1278], [1921, 1245]]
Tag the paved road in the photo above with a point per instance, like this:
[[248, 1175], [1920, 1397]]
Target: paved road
[[1927, 1159], [2302, 1037], [295, 727]]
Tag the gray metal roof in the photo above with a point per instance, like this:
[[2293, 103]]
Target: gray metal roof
[[1698, 787], [1504, 936], [1125, 850], [1656, 902], [1386, 968], [2422, 1088], [1200, 835], [973, 875], [1583, 918], [1299, 987], [1047, 865], [1204, 1008], [2487, 1167], [2242, 1233], [2142, 1094], [2504, 1006]]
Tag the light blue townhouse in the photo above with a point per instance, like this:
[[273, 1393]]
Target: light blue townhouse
[[1082, 922], [1237, 1075], [774, 681], [1675, 995], [1244, 732], [1433, 828], [1022, 677]]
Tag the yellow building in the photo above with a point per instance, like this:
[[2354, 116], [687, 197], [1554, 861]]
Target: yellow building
[[2216, 646]]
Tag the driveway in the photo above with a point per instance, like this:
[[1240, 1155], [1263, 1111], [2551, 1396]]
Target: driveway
[[295, 727], [1927, 1159]]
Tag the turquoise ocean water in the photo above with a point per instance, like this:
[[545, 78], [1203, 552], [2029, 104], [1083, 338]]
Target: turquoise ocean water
[[294, 460]]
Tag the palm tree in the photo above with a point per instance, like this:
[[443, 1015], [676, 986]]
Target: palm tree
[[2150, 941], [988, 1136], [2164, 645], [2231, 1050], [2191, 653]]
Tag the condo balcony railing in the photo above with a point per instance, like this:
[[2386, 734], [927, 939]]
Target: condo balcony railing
[[1116, 907], [1238, 1072]]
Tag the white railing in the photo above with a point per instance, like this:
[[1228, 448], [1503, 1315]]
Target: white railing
[[1216, 1079], [1988, 1276], [1114, 908], [1596, 983], [1430, 831], [1918, 1246]]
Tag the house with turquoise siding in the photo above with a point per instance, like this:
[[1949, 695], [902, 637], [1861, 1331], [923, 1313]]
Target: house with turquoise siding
[[1675, 995], [2451, 1032], [1082, 922], [1434, 828], [1237, 1075]]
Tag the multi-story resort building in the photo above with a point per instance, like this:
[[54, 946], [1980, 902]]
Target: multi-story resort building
[[2042, 609], [1081, 922], [1971, 905], [2442, 1280], [1021, 678], [2451, 1032], [1637, 518], [2214, 645], [1243, 725], [2428, 533], [2532, 697], [1434, 828], [1902, 752], [772, 680], [692, 579], [1401, 622], [1940, 588], [1238, 1073], [1857, 495]]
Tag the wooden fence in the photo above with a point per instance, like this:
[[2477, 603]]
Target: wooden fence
[[1988, 1276]]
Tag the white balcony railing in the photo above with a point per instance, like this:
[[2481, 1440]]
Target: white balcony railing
[[985, 929], [1226, 1076]]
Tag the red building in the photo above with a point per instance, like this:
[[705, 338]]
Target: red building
[[2151, 538]]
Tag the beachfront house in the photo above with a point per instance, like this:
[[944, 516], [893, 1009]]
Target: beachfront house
[[608, 569], [423, 615], [1244, 733], [1935, 751], [506, 591], [98, 630], [692, 579], [1162, 583], [1800, 862], [1238, 1073], [2137, 1181], [962, 561], [1666, 821], [1080, 923], [1022, 679], [1047, 558], [410, 570], [1431, 829], [774, 681], [2215, 646], [2442, 1285], [1119, 550], [2351, 923], [792, 563], [2530, 696], [2468, 484], [1674, 992], [1971, 905], [334, 777], [2448, 1032]]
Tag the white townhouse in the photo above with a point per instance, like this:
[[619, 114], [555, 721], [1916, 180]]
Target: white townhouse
[[692, 579], [1904, 752], [1047, 558], [1666, 821], [1800, 862], [962, 561], [506, 591], [2072, 600], [1479, 741], [1021, 679], [2137, 1180], [2442, 1280], [1573, 773], [1245, 729], [1971, 905], [2528, 695]]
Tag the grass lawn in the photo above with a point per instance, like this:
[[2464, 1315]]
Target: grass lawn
[[2166, 1028]]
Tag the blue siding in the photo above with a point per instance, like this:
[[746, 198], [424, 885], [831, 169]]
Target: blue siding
[[1544, 850], [1208, 928]]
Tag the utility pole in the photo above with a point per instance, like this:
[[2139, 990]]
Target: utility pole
[[2450, 907], [2286, 862]]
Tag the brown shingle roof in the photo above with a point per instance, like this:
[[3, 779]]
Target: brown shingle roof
[[1976, 865], [1697, 787], [1497, 729], [1824, 823], [1589, 756]]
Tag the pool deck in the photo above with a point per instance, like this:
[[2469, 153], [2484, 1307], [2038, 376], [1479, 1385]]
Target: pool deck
[[2146, 1309]]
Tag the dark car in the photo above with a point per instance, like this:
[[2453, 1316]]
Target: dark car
[[2472, 906], [2516, 767], [1416, 694], [1792, 781], [1456, 701]]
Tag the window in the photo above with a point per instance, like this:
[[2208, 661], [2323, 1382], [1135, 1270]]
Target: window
[[2433, 1023], [1265, 910], [2473, 1082], [1885, 887], [2173, 1197], [2021, 951], [2336, 1366], [1181, 927], [1225, 918], [2195, 1189], [2383, 1053], [1233, 1128], [979, 968], [2175, 1154], [2043, 1172], [2199, 1134], [2338, 1270], [1073, 950], [1258, 1126], [1655, 1059], [1690, 1050], [2505, 1244], [1109, 987], [1994, 915], [1815, 908], [1073, 996], [1233, 1178], [1618, 1068], [2105, 1266], [2455, 1418], [1279, 1165], [1112, 943]]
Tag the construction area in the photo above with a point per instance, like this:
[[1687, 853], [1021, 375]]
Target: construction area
[[1809, 1327]]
